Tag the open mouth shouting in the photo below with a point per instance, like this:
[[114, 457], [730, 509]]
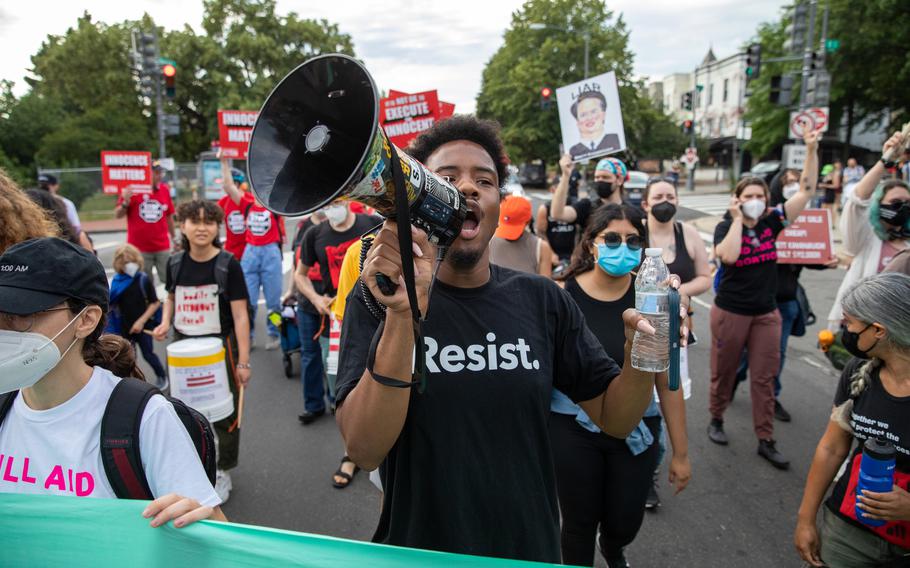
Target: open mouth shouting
[[471, 226]]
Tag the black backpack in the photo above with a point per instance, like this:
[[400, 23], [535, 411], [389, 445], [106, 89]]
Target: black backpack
[[120, 452], [222, 261]]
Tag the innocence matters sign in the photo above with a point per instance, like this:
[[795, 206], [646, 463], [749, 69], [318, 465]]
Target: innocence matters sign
[[121, 169], [807, 240], [234, 130]]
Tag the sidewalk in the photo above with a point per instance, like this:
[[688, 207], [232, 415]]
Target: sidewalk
[[105, 226]]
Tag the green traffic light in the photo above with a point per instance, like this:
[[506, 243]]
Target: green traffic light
[[749, 71]]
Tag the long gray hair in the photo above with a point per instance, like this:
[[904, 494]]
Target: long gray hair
[[883, 299]]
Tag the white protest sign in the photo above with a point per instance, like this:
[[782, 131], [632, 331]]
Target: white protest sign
[[590, 117]]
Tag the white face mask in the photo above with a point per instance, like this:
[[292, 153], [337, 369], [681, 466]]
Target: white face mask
[[131, 268], [25, 357], [753, 208], [790, 190], [336, 214]]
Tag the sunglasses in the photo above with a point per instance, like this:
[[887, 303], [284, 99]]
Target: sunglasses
[[613, 240]]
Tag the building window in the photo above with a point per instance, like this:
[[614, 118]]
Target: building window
[[710, 120], [726, 88], [711, 94], [723, 125]]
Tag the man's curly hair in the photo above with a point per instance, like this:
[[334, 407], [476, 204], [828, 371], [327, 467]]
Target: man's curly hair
[[484, 133]]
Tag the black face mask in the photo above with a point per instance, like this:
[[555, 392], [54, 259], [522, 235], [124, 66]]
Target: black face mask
[[850, 339], [895, 214], [663, 211], [604, 189]]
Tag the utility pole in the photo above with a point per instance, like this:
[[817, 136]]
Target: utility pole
[[807, 57], [150, 73], [588, 49]]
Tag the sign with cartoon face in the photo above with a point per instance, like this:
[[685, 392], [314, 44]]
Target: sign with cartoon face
[[590, 117]]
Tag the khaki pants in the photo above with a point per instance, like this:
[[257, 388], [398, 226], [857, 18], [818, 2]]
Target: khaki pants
[[158, 261], [848, 546]]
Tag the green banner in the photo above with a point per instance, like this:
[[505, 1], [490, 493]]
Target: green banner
[[45, 530]]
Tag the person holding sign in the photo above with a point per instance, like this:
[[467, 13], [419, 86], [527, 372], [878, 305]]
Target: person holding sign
[[207, 296], [745, 314], [609, 176], [590, 113], [149, 222], [234, 213], [875, 223], [56, 383]]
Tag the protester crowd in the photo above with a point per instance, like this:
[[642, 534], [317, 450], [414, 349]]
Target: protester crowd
[[527, 341]]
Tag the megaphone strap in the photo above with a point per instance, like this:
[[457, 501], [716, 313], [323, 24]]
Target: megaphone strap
[[371, 361], [673, 371]]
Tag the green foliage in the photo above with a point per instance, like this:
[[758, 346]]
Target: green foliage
[[85, 98], [530, 59]]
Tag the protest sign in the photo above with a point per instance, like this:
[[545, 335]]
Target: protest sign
[[404, 117], [122, 169], [112, 532], [234, 130], [808, 240], [590, 117], [445, 109]]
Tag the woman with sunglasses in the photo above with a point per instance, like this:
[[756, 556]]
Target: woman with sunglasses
[[604, 481], [685, 256], [744, 314]]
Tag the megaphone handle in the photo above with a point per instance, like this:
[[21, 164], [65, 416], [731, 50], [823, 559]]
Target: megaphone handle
[[385, 284], [673, 301]]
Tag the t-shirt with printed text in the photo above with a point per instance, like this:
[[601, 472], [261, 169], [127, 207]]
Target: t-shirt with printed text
[[876, 414], [235, 223], [57, 451], [146, 219], [324, 245], [262, 226], [749, 286], [199, 309], [472, 470]]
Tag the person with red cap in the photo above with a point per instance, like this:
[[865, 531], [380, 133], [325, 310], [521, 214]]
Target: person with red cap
[[515, 247]]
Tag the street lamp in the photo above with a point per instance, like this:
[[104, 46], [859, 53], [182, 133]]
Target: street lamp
[[587, 37]]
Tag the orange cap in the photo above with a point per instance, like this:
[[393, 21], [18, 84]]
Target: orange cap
[[514, 214]]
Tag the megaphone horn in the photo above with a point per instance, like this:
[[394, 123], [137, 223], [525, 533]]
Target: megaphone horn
[[317, 140]]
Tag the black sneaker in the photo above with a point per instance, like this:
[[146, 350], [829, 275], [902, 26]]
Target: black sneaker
[[780, 412], [618, 561], [767, 450], [716, 432], [653, 500], [309, 417]]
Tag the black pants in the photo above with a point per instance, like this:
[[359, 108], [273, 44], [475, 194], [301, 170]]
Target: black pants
[[600, 483]]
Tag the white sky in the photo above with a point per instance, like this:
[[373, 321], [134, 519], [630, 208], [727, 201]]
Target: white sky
[[416, 45]]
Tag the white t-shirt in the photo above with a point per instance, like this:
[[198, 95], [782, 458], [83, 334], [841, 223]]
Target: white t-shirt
[[56, 451], [71, 213]]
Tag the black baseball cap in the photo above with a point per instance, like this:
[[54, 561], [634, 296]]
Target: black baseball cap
[[38, 274], [48, 179]]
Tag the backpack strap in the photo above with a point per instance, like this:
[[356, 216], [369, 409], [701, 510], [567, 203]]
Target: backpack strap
[[6, 403], [120, 451], [222, 263], [174, 263]]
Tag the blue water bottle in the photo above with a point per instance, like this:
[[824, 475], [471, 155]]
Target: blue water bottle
[[876, 473]]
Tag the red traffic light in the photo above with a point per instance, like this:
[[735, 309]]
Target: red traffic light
[[168, 70], [687, 124], [546, 92]]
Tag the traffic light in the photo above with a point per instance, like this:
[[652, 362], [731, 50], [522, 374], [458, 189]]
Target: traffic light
[[546, 95], [687, 126], [781, 90], [753, 62], [817, 60], [687, 100], [169, 72], [818, 88], [796, 29], [149, 68]]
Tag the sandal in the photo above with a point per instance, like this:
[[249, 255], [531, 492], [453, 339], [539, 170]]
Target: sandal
[[348, 477]]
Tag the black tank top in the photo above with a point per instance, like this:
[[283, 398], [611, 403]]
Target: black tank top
[[683, 265], [561, 236], [605, 318]]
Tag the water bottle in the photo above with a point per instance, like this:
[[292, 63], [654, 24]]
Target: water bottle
[[876, 473], [651, 353]]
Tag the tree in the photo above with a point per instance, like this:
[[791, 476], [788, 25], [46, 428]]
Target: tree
[[530, 59]]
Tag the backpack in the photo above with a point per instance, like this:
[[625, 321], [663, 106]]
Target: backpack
[[222, 262], [120, 451], [155, 320]]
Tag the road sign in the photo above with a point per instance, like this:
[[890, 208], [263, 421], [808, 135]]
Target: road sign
[[167, 164], [794, 156], [815, 118], [832, 45], [690, 158]]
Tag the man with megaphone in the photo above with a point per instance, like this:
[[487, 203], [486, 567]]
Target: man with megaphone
[[465, 457]]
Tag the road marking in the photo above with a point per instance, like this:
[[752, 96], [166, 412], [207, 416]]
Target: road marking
[[701, 303], [107, 246], [811, 361]]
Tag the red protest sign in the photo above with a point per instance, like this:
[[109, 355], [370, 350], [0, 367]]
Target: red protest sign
[[807, 240], [445, 109], [405, 116], [121, 169], [234, 130]]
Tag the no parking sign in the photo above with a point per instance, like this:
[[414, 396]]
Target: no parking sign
[[815, 118]]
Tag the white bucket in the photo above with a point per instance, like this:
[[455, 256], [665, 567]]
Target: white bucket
[[199, 376]]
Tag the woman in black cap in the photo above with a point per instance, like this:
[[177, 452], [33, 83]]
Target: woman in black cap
[[51, 319]]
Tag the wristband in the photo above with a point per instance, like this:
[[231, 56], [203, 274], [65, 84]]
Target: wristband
[[888, 163], [243, 366]]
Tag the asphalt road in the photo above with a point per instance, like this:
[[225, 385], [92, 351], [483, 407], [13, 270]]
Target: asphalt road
[[738, 512]]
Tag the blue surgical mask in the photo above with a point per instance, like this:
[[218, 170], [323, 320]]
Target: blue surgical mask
[[617, 261]]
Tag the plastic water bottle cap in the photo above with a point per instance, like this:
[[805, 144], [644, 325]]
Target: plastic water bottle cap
[[653, 251]]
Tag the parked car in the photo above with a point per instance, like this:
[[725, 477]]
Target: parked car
[[635, 186], [765, 170], [533, 174]]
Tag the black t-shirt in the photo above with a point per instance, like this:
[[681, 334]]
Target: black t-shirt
[[325, 245], [194, 273], [297, 250], [876, 414], [749, 286], [583, 209], [472, 471], [605, 318], [561, 236], [133, 302]]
